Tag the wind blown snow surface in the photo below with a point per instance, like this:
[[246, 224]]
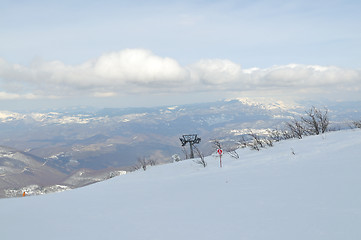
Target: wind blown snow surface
[[314, 193]]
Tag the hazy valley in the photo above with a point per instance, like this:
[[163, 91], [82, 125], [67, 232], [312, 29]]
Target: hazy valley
[[70, 148]]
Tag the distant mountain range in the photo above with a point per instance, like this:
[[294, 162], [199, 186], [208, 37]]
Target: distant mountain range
[[99, 142], [18, 169]]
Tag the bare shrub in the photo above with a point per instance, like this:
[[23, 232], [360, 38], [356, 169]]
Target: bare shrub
[[176, 158], [256, 140], [287, 134], [216, 144], [185, 152], [295, 129], [243, 142], [152, 162], [293, 151], [135, 167], [143, 162], [275, 135], [357, 124], [201, 157], [316, 121], [232, 153], [268, 142], [259, 142], [254, 146], [231, 150]]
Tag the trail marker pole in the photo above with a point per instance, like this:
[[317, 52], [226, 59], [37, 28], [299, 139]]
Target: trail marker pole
[[220, 152]]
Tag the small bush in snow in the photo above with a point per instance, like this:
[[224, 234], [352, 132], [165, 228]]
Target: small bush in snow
[[230, 150], [257, 142], [201, 157], [176, 158], [143, 162], [296, 129], [357, 124], [275, 135]]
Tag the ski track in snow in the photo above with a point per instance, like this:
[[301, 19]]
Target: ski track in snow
[[271, 194]]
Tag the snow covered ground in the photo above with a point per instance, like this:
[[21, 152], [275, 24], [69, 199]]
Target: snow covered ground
[[314, 193]]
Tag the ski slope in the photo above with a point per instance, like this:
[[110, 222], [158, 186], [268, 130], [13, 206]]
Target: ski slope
[[314, 193]]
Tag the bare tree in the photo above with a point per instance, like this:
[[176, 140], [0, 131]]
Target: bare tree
[[243, 142], [275, 135], [151, 162], [287, 134], [268, 141], [143, 162], [184, 150], [216, 144], [296, 129], [135, 167], [316, 121], [231, 150], [257, 142], [201, 157]]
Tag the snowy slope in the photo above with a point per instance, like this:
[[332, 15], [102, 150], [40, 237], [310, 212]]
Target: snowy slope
[[271, 194]]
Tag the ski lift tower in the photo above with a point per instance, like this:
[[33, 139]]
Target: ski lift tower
[[191, 139]]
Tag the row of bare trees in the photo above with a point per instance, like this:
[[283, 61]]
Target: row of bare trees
[[314, 122], [255, 141], [143, 162]]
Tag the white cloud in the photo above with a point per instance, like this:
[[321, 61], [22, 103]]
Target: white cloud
[[216, 71], [141, 71], [307, 76], [126, 70], [138, 66], [104, 94], [12, 96]]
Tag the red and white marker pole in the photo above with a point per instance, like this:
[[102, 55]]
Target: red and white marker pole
[[220, 152]]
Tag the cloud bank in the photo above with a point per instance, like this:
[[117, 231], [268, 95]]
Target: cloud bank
[[132, 71]]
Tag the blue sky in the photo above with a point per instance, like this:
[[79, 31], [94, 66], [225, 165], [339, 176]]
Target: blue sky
[[108, 52]]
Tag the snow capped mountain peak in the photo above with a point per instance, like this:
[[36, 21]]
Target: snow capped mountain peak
[[268, 103], [172, 108], [7, 116]]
